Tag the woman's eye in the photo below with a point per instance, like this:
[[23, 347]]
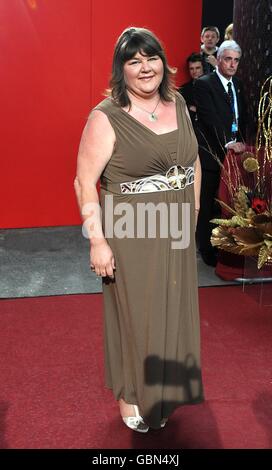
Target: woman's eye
[[153, 58]]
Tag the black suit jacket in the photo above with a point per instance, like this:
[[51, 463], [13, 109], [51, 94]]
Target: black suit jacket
[[215, 117], [187, 91]]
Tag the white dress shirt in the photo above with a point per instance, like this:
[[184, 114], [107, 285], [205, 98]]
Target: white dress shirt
[[225, 82]]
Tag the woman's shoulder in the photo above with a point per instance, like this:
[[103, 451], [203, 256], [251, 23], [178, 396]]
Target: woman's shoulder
[[179, 98], [108, 106]]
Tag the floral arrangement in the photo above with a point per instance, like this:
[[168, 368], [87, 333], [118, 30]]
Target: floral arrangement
[[247, 226]]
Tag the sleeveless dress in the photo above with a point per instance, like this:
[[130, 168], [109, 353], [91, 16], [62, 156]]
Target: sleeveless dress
[[151, 319]]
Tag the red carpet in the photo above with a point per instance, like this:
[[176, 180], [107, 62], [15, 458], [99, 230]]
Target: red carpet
[[52, 385]]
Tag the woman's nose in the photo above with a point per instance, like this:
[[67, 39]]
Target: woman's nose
[[146, 66]]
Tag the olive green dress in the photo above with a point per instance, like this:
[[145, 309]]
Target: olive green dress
[[151, 318]]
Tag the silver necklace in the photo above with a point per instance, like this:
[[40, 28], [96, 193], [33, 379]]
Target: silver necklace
[[152, 116]]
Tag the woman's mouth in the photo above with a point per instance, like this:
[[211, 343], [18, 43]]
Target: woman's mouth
[[147, 78]]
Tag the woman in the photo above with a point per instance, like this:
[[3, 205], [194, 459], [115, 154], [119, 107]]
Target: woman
[[140, 142], [228, 36]]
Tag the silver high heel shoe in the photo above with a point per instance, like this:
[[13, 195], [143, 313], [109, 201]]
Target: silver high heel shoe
[[136, 422]]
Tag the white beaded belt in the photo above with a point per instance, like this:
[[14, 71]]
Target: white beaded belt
[[176, 178]]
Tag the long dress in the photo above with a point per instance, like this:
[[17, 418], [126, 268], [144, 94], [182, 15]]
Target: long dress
[[151, 318]]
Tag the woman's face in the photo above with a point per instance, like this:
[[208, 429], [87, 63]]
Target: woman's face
[[143, 74]]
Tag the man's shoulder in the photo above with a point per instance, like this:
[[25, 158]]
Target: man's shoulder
[[239, 88], [186, 85], [237, 81], [207, 81], [208, 78]]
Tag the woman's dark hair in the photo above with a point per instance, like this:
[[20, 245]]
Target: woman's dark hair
[[131, 41]]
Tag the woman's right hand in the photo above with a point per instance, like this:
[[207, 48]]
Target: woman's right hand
[[102, 259]]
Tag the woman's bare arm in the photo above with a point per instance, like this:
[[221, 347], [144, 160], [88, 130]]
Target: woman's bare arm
[[95, 150]]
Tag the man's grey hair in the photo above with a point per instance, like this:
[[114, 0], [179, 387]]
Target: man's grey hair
[[229, 45]]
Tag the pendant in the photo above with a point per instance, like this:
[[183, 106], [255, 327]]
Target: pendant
[[153, 117]]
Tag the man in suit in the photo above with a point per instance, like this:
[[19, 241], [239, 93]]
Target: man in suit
[[221, 126], [195, 68]]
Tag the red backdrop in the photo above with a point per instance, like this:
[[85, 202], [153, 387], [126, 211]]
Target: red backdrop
[[55, 62]]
